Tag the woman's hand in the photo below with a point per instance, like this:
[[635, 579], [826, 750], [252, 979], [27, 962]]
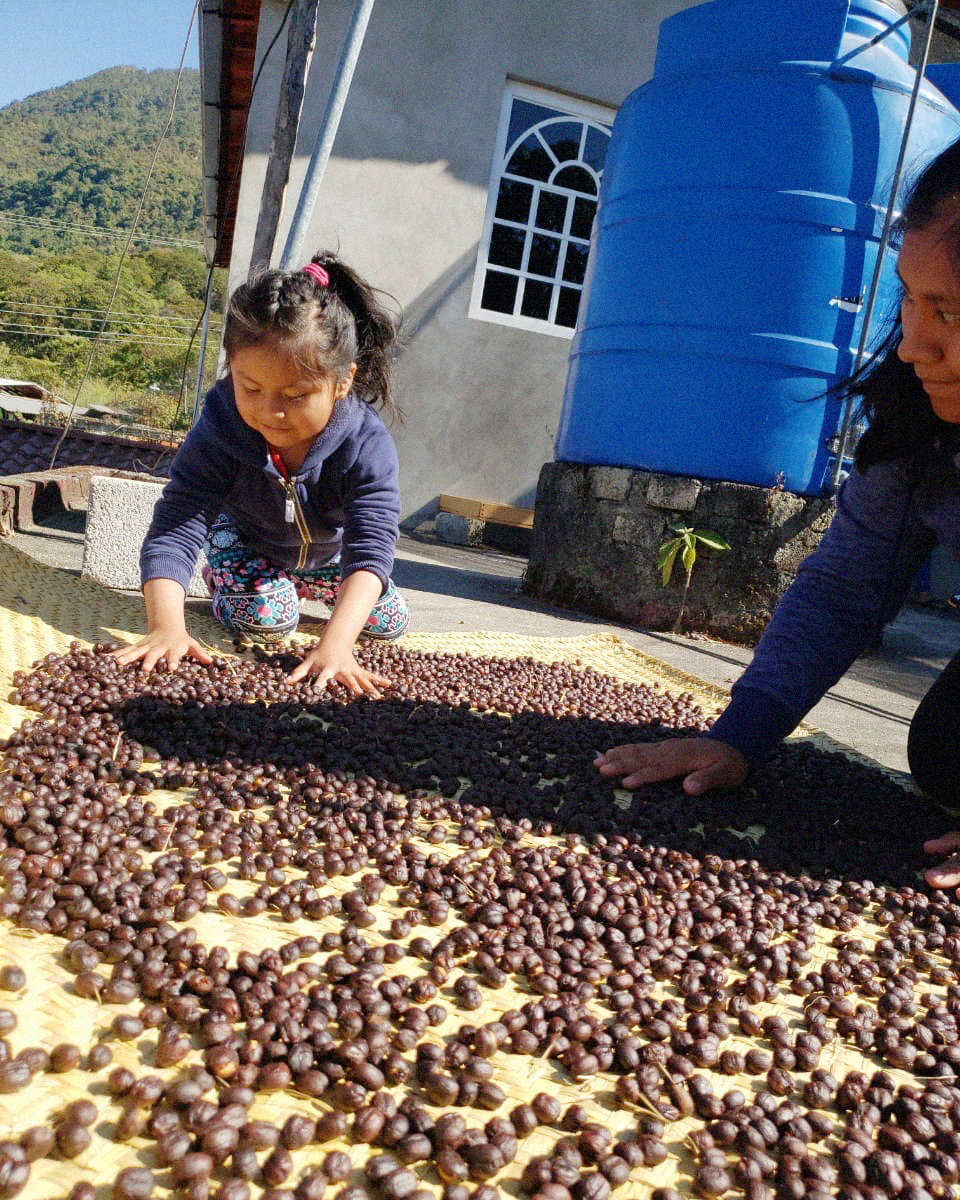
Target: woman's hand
[[945, 874], [703, 762], [340, 664], [171, 644]]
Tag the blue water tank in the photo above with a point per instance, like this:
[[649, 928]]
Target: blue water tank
[[743, 200]]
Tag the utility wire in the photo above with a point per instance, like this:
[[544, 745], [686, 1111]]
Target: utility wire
[[232, 195], [112, 338], [94, 232], [133, 229], [77, 312]]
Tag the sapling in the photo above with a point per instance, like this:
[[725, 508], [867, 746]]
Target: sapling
[[685, 544]]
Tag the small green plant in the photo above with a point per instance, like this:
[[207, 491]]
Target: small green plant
[[685, 544]]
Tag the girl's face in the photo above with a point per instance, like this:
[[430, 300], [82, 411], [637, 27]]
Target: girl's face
[[277, 398], [930, 314]]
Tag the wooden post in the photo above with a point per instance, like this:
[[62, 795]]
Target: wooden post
[[300, 42]]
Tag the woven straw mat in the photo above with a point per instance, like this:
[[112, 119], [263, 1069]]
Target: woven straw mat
[[42, 611]]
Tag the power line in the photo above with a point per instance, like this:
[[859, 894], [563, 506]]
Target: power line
[[117, 336], [95, 232], [76, 311], [129, 242]]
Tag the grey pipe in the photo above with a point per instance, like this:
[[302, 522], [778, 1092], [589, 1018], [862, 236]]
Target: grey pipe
[[293, 250], [198, 397]]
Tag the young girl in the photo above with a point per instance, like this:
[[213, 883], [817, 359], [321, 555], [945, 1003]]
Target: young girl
[[901, 499], [288, 480]]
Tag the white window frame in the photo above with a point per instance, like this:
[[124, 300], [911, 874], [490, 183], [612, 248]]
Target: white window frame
[[565, 106]]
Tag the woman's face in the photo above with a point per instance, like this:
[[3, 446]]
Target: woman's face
[[930, 314]]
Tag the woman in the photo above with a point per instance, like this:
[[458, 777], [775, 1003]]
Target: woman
[[901, 499]]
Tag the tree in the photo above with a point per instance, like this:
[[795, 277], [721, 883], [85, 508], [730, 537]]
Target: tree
[[685, 544]]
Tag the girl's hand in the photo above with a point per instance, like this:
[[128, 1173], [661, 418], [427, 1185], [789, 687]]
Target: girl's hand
[[946, 874], [703, 762], [328, 663], [173, 645], [333, 658]]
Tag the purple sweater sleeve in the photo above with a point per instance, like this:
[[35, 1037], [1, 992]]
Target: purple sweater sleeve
[[372, 507], [856, 580], [199, 479]]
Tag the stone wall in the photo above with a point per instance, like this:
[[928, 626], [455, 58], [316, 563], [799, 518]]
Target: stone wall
[[597, 531]]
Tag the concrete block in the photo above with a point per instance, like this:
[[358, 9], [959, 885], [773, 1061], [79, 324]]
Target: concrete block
[[785, 506], [627, 531], [458, 531], [610, 483], [566, 479], [118, 515], [673, 492], [601, 556]]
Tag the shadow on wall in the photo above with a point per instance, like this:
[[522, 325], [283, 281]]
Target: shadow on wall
[[481, 401], [417, 318], [428, 305]]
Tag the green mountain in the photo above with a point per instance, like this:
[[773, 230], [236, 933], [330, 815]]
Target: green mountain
[[79, 155], [73, 164]]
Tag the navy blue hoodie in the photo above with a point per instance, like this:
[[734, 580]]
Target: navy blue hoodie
[[347, 494], [888, 519]]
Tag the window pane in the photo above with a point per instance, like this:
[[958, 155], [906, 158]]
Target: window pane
[[578, 179], [544, 252], [506, 247], [552, 211], [499, 292], [513, 201], [531, 160], [575, 264], [583, 213], [595, 150], [568, 305], [536, 300], [563, 138], [524, 115]]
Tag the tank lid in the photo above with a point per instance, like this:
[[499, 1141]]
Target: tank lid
[[723, 34]]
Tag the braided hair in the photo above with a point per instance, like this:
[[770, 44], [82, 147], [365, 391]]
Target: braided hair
[[323, 326]]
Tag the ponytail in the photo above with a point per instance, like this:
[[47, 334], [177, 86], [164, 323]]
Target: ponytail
[[376, 332]]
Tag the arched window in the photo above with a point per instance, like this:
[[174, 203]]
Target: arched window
[[543, 198]]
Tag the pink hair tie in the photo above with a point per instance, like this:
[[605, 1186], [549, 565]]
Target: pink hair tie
[[318, 273]]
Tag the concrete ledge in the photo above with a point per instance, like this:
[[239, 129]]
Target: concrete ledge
[[119, 511], [28, 500]]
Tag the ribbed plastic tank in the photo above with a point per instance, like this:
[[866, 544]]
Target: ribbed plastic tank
[[742, 205]]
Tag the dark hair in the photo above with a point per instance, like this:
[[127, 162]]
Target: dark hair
[[892, 399], [324, 327]]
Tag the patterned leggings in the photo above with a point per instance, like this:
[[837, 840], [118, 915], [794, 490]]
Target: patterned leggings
[[253, 597]]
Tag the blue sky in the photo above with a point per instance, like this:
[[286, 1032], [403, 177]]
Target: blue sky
[[45, 43]]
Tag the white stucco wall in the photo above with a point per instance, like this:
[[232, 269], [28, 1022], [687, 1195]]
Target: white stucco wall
[[404, 196]]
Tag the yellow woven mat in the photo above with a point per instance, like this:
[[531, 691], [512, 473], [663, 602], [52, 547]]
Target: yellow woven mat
[[42, 611]]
